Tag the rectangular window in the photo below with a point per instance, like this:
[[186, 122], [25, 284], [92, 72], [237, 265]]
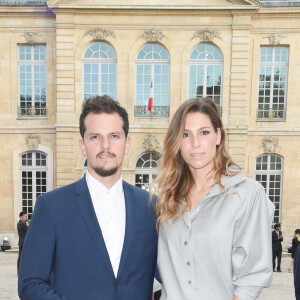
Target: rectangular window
[[158, 75], [269, 172], [272, 83], [33, 179], [32, 81], [99, 79]]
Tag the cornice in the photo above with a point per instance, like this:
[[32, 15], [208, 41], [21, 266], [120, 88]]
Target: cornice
[[155, 7]]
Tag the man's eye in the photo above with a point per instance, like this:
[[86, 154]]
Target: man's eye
[[115, 136], [94, 137]]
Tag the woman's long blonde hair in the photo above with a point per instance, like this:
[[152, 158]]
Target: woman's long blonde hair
[[174, 180]]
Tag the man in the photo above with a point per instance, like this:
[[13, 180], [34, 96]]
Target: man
[[277, 238], [22, 227], [297, 273], [94, 239]]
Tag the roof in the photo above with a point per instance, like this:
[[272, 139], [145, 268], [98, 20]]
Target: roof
[[279, 3], [265, 3], [23, 2]]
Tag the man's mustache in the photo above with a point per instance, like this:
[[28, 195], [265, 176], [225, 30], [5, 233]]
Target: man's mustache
[[106, 153]]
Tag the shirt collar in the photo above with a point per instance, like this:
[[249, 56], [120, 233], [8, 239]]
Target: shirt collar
[[96, 185]]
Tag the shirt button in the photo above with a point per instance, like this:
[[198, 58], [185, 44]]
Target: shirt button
[[117, 285], [185, 243], [188, 263], [190, 282]]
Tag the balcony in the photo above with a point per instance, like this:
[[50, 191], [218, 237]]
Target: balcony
[[158, 111], [271, 114], [32, 112]]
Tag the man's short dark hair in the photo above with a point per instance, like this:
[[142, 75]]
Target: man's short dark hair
[[102, 104], [277, 225], [22, 213]]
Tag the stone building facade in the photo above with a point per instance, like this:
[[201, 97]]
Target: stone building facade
[[54, 54]]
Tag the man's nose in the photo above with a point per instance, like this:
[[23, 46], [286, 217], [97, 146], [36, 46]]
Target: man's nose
[[105, 143]]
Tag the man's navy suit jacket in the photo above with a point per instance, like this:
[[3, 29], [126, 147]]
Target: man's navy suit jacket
[[64, 255]]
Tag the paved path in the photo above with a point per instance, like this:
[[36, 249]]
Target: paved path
[[8, 276], [282, 287]]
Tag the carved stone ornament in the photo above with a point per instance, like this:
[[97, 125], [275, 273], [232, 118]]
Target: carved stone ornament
[[206, 35], [270, 144], [150, 142], [234, 1], [100, 33], [275, 38], [32, 37], [153, 35], [32, 141]]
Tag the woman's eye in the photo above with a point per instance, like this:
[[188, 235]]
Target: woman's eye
[[204, 132], [185, 134]]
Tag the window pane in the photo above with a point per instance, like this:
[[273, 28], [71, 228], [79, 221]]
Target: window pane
[[267, 175], [272, 82]]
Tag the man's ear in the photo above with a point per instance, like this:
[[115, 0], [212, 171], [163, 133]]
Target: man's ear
[[82, 147], [127, 145]]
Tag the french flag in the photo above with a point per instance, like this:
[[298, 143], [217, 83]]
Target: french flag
[[150, 102]]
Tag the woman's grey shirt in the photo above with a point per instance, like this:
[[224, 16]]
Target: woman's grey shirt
[[220, 249]]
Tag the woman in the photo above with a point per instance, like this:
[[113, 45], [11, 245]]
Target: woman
[[214, 222], [295, 243]]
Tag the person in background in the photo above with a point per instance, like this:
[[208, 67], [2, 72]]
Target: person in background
[[295, 243], [297, 273], [94, 239], [277, 239], [209, 214], [22, 227]]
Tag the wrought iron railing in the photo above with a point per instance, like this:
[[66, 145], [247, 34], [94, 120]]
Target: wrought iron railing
[[271, 114], [32, 111], [157, 111]]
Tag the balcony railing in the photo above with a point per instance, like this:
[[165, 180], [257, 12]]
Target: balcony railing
[[157, 111], [32, 111], [271, 114]]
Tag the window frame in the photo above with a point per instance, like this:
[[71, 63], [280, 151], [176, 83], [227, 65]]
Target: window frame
[[100, 62], [32, 111], [161, 110], [205, 63], [146, 171], [272, 114], [34, 169], [268, 172]]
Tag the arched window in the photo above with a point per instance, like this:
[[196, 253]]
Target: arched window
[[206, 72], [99, 68], [33, 179], [145, 169], [269, 172], [152, 80]]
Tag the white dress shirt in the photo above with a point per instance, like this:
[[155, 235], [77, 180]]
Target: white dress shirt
[[109, 205]]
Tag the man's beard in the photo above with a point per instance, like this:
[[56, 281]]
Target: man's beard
[[105, 173]]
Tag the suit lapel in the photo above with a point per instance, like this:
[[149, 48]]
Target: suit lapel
[[131, 209], [87, 211]]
